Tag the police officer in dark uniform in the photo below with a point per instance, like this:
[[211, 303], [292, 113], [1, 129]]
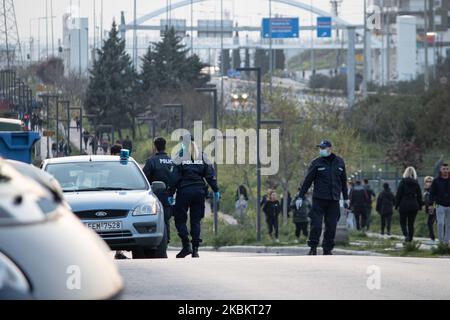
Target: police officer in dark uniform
[[159, 167], [191, 170], [330, 181]]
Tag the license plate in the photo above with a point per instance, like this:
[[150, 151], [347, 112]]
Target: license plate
[[105, 226]]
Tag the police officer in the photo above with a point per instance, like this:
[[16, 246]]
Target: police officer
[[191, 170], [330, 181], [159, 167]]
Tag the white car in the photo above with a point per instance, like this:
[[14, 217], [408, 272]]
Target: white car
[[111, 195]]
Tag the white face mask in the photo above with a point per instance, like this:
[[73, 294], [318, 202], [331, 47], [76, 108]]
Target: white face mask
[[324, 153]]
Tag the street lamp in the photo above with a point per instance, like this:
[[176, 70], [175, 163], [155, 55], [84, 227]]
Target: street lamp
[[213, 90], [258, 159]]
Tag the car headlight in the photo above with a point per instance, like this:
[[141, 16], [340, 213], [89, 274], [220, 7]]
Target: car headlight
[[11, 276], [146, 209]]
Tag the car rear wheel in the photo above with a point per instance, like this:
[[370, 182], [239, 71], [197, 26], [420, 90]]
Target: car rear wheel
[[159, 253]]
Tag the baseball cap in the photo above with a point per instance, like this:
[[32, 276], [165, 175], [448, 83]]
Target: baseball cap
[[324, 144]]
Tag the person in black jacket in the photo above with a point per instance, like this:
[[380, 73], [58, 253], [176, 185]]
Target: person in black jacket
[[301, 216], [159, 167], [329, 177], [191, 170], [358, 203], [430, 211], [272, 209], [371, 196], [385, 208], [408, 201], [440, 195]]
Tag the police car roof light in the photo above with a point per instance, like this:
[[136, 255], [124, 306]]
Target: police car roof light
[[124, 154]]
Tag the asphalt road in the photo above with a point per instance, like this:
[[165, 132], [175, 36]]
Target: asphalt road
[[238, 276]]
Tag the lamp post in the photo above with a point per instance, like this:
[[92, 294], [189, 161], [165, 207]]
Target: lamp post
[[215, 124], [258, 159]]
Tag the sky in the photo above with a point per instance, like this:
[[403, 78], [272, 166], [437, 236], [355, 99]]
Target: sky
[[246, 12]]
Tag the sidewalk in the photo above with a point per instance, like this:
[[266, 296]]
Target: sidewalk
[[291, 251]]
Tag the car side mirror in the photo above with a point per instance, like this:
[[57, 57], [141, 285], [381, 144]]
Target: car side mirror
[[158, 186]]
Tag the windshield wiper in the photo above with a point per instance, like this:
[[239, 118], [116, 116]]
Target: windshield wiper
[[100, 189]]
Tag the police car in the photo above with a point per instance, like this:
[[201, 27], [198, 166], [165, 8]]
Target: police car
[[112, 196]]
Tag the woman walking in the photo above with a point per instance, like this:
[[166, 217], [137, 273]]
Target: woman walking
[[385, 208], [408, 201], [191, 170], [272, 210], [430, 211]]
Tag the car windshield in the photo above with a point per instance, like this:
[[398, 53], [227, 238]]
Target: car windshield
[[98, 176]]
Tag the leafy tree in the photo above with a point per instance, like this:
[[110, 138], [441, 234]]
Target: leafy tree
[[110, 96], [166, 66], [51, 71]]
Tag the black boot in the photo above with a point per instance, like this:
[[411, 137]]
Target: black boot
[[195, 252], [312, 252], [327, 253], [185, 251]]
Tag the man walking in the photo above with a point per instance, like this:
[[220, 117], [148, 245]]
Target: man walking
[[371, 196], [159, 167], [329, 177], [440, 195], [127, 144]]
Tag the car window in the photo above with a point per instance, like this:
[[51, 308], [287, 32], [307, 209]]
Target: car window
[[98, 176]]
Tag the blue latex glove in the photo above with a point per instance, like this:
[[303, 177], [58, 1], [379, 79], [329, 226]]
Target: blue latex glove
[[217, 196], [171, 201]]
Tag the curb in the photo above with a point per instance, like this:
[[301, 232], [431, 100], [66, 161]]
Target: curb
[[300, 251]]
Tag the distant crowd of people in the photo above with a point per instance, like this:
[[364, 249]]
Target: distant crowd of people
[[408, 201], [101, 143]]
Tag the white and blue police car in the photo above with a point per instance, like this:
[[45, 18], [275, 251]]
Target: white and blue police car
[[111, 195]]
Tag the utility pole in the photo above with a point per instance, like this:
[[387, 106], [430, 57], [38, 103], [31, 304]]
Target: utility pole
[[366, 73], [95, 28], [222, 62], [135, 53], [425, 20], [313, 62], [101, 23], [270, 48], [46, 28], [192, 27], [53, 30]]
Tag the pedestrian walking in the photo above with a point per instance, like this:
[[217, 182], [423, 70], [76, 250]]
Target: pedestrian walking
[[94, 144], [300, 216], [86, 135], [105, 143], [430, 211], [191, 169], [328, 174], [371, 196], [358, 204], [128, 144], [440, 195], [272, 209], [78, 124], [241, 204], [408, 202], [159, 167], [385, 208]]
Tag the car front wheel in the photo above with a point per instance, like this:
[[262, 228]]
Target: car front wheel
[[159, 253]]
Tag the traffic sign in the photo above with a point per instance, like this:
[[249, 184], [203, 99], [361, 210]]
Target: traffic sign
[[324, 27], [282, 28]]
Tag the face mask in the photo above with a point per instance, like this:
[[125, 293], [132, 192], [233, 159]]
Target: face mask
[[324, 153]]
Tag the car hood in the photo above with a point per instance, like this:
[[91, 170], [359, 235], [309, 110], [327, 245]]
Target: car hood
[[103, 200]]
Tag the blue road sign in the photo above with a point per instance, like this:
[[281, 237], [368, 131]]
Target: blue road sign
[[281, 28], [324, 27]]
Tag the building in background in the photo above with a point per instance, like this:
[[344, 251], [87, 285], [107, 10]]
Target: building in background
[[75, 44]]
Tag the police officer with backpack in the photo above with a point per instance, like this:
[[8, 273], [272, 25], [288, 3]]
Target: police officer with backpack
[[159, 167], [191, 170]]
